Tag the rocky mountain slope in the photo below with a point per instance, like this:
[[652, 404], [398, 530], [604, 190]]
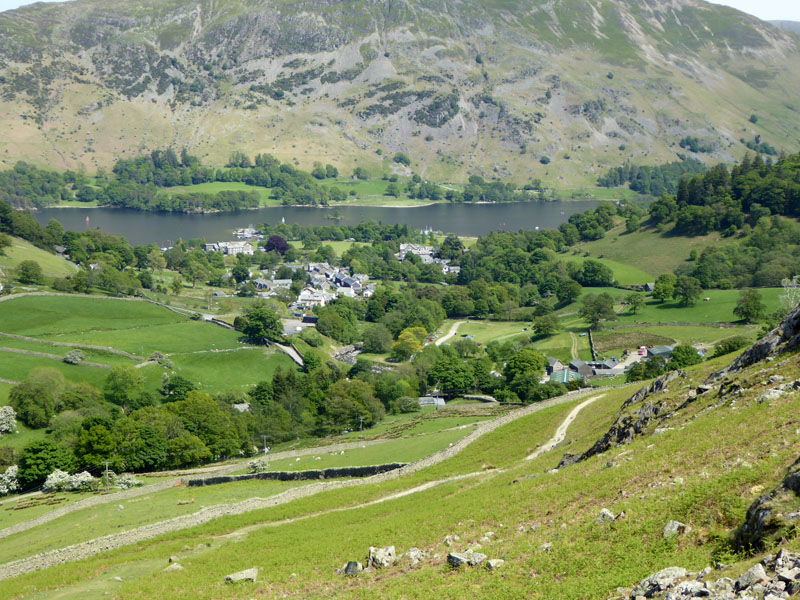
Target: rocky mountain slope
[[524, 88]]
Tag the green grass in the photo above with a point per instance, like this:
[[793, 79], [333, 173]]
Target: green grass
[[52, 265], [624, 274], [59, 315], [105, 519], [489, 331], [651, 252], [22, 437], [339, 248], [587, 559], [265, 195], [17, 366], [5, 388], [220, 371], [718, 309], [404, 450]]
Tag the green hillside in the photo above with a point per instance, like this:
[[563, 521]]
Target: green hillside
[[19, 250], [544, 523]]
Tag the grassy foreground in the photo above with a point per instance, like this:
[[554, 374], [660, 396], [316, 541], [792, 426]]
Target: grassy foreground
[[697, 472]]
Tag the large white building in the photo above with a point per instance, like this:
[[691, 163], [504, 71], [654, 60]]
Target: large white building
[[231, 248]]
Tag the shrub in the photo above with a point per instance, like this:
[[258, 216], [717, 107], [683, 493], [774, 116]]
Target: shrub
[[8, 420], [406, 404], [8, 481], [545, 160], [74, 357], [259, 465], [124, 481], [61, 481]]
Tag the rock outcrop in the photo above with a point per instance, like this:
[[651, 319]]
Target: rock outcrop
[[772, 516]]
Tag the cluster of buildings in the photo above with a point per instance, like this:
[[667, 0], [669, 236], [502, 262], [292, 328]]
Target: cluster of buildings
[[560, 372], [326, 284], [426, 257]]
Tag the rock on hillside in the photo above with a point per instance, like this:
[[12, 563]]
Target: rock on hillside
[[463, 86], [649, 406]]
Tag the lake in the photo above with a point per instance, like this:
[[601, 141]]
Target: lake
[[462, 219]]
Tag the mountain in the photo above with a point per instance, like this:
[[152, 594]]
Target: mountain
[[556, 89], [793, 26]]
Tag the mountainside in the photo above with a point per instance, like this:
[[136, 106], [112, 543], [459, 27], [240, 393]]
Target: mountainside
[[559, 90], [793, 26]]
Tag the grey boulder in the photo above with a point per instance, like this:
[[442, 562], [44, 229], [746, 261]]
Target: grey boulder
[[246, 575]]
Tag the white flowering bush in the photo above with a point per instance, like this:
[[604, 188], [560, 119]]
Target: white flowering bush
[[74, 357], [8, 481], [56, 481], [8, 420], [125, 481], [60, 481], [259, 465]]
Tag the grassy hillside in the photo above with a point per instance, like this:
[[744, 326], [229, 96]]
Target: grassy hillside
[[650, 251], [545, 525], [52, 265], [202, 352]]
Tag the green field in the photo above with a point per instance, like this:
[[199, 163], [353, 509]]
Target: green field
[[624, 274], [213, 187], [651, 252], [338, 247], [489, 331], [237, 370], [717, 309], [52, 265], [504, 494], [108, 518], [204, 353], [403, 450]]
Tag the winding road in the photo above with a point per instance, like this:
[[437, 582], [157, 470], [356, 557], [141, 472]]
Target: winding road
[[453, 330]]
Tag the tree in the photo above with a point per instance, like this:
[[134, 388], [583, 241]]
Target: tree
[[96, 444], [240, 273], [123, 386], [546, 325], [452, 376], [177, 285], [41, 458], [262, 324], [5, 242], [635, 301], [749, 306], [29, 271], [195, 271], [35, 399], [156, 260], [687, 290], [592, 273], [276, 243], [597, 308], [684, 356], [377, 339], [568, 291], [407, 344], [452, 248], [664, 287], [203, 417], [525, 362], [175, 387]]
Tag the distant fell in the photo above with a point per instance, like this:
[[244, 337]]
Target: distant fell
[[559, 90]]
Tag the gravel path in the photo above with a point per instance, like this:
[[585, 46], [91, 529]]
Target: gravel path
[[90, 548], [453, 330], [561, 432]]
